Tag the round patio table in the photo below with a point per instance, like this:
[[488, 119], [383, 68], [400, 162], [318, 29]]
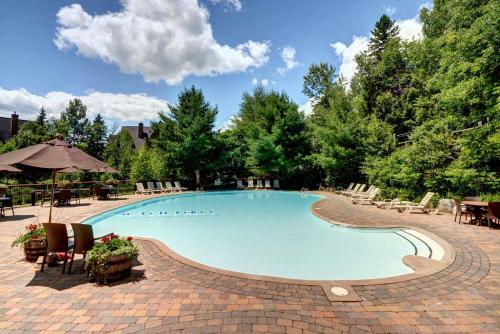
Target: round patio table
[[476, 206]]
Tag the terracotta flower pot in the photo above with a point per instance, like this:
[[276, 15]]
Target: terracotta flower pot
[[34, 248]]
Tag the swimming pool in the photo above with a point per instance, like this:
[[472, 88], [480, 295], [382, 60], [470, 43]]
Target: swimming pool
[[271, 233]]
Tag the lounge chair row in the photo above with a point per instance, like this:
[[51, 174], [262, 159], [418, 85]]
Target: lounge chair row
[[360, 196], [267, 184], [159, 188]]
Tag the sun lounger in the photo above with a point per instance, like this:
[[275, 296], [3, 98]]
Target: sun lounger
[[250, 184], [239, 184], [152, 188], [409, 207], [276, 184], [364, 193], [353, 190], [259, 184], [388, 204], [359, 191], [141, 190], [160, 187], [368, 199], [348, 189], [217, 183], [267, 184], [169, 186], [179, 187]]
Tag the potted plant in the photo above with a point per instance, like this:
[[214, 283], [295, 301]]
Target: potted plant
[[33, 241], [111, 258]]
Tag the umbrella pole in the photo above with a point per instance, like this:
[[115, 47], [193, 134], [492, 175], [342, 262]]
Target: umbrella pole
[[52, 196]]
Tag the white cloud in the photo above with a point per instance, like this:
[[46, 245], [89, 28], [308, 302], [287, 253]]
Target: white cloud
[[409, 29], [307, 108], [390, 10], [123, 107], [233, 4], [288, 55], [159, 39], [347, 55], [263, 82]]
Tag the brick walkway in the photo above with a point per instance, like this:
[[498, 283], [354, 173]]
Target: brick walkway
[[164, 295]]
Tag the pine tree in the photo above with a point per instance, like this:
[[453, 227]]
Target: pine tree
[[385, 29]]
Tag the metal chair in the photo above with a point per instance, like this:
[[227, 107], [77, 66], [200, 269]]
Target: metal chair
[[6, 203]]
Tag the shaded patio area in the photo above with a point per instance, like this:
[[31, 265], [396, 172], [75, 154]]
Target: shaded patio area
[[164, 295]]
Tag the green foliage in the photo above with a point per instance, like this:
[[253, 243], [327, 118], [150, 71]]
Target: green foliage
[[142, 167], [74, 124], [96, 137], [185, 138], [120, 152], [32, 232]]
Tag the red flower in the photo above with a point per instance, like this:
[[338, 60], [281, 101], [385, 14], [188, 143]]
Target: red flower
[[105, 240], [34, 237], [32, 227], [129, 238], [114, 236]]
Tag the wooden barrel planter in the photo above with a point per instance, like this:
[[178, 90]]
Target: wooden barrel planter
[[34, 248], [118, 267]]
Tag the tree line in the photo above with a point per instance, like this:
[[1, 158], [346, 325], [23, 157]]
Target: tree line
[[417, 116]]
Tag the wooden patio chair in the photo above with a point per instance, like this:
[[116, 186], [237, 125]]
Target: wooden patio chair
[[58, 241], [493, 214], [459, 212]]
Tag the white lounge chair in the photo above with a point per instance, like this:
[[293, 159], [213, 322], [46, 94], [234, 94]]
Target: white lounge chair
[[276, 184], [409, 207], [267, 184], [359, 191], [160, 187], [250, 183], [179, 187], [259, 184], [348, 189], [169, 186], [239, 184], [152, 188], [353, 190], [388, 204], [367, 199], [141, 190], [363, 193], [217, 183]]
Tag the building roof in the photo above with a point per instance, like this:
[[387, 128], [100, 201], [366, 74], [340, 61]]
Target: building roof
[[133, 130], [5, 127]]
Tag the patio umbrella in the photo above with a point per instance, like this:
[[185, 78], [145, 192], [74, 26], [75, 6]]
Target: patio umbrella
[[56, 155], [9, 169]]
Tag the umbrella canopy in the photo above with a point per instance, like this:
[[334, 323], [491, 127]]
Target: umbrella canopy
[[9, 169], [54, 154], [70, 170]]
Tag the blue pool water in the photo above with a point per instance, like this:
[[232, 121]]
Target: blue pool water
[[269, 233]]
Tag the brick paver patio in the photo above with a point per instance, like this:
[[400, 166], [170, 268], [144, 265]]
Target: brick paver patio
[[167, 296]]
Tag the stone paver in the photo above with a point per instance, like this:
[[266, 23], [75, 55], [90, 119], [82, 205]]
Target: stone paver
[[167, 296]]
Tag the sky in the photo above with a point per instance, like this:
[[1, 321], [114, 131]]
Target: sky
[[129, 59]]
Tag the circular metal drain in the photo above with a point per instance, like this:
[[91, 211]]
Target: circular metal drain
[[338, 291]]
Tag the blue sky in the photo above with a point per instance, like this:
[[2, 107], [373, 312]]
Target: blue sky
[[128, 59]]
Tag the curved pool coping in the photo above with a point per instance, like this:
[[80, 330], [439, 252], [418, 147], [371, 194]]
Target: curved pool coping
[[422, 266]]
